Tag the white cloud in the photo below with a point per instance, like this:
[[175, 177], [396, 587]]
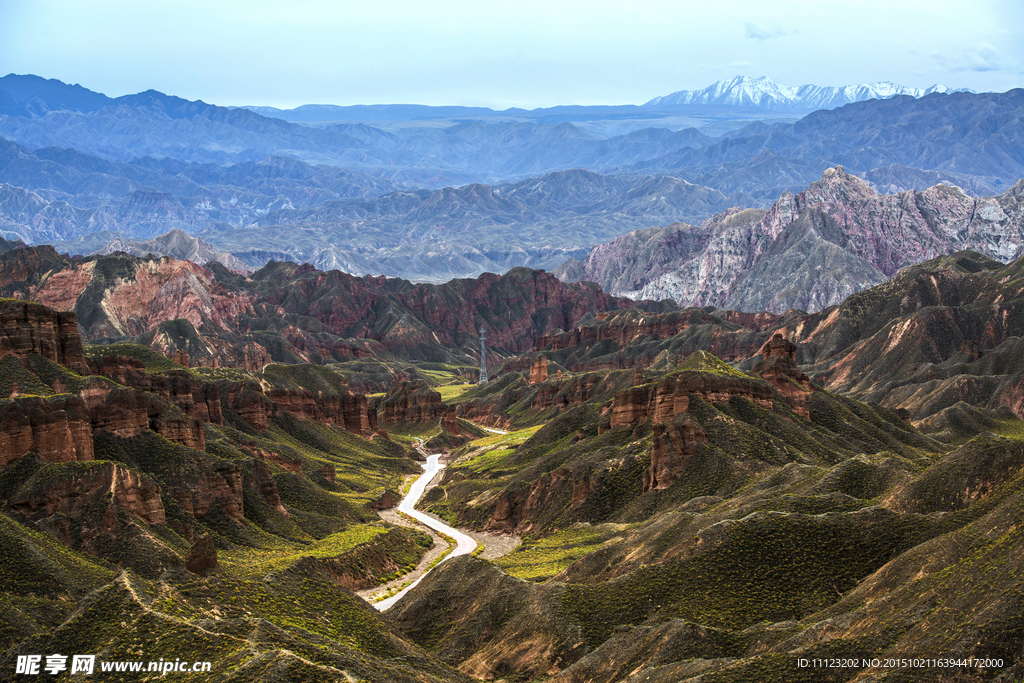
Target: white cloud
[[759, 33], [981, 57]]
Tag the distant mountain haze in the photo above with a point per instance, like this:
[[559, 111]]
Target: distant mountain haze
[[434, 193]]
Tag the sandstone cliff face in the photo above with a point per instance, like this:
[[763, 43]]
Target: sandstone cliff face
[[661, 401], [265, 484], [57, 429], [622, 329], [674, 443], [252, 405], [538, 370], [27, 327], [450, 423], [778, 366], [350, 411], [200, 401], [220, 484], [410, 402], [104, 486], [676, 435], [516, 511], [125, 412], [566, 393], [136, 295]]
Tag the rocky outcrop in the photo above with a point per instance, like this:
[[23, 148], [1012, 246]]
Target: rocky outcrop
[[200, 401], [201, 558], [27, 327], [809, 250], [517, 511], [778, 366], [83, 493], [349, 411], [385, 501], [128, 296], [567, 393], [125, 412], [219, 484], [411, 401], [621, 328], [252, 405], [450, 423], [674, 443], [57, 429], [263, 479], [538, 370], [661, 401]]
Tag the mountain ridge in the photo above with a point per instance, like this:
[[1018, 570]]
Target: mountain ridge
[[765, 93], [808, 251]]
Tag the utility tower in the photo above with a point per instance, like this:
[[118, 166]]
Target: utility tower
[[483, 358]]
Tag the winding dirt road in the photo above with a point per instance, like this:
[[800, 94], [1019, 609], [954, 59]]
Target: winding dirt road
[[465, 544]]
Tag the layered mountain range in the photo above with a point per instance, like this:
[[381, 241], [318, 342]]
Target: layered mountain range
[[294, 314], [807, 251], [78, 166]]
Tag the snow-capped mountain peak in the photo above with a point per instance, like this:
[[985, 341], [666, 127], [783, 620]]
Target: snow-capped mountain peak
[[764, 93]]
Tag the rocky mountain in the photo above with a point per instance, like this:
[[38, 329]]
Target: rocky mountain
[[178, 245], [764, 93], [940, 132], [452, 198], [290, 313], [808, 251]]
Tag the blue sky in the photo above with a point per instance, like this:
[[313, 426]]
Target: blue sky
[[528, 53]]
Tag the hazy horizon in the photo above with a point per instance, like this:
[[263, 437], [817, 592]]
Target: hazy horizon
[[531, 55]]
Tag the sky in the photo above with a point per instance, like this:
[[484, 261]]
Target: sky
[[526, 53]]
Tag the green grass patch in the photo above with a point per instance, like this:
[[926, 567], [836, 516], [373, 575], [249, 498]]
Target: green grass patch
[[450, 392], [540, 559], [249, 562], [709, 364], [153, 361]]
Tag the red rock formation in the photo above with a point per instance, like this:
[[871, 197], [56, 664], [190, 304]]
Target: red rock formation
[[158, 290], [778, 366], [669, 397], [349, 411], [385, 501], [328, 473], [200, 401], [56, 429], [450, 423], [622, 329], [539, 370], [517, 511], [103, 486], [221, 484], [201, 558], [410, 402], [267, 487], [571, 392], [125, 412], [248, 400], [674, 443], [27, 327]]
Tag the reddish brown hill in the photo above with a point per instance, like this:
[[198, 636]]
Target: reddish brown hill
[[292, 313]]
